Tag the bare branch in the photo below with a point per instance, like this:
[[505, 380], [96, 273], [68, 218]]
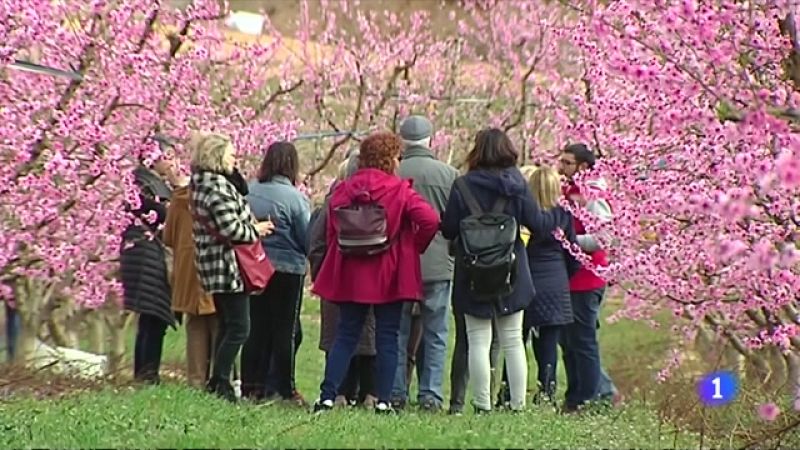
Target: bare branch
[[275, 95], [86, 60]]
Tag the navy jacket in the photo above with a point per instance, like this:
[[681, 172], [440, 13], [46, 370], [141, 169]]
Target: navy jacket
[[487, 186], [551, 268]]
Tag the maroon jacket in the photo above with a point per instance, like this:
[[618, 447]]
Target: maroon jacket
[[391, 276]]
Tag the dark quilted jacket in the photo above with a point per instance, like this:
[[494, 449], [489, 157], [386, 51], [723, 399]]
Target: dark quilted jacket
[[551, 267], [143, 267]]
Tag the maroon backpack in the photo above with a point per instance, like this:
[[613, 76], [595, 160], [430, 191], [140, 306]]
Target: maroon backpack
[[362, 227]]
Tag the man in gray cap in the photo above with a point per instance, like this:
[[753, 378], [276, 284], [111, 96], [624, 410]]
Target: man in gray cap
[[433, 180]]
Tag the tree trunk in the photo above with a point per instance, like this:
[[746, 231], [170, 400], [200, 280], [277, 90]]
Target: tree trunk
[[97, 341], [30, 298], [26, 342], [793, 372], [118, 322]]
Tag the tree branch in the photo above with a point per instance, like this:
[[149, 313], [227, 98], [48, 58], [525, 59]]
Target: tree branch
[[87, 58], [524, 84], [362, 89], [275, 95]]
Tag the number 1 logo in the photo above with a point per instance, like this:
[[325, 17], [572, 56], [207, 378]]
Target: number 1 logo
[[718, 388], [717, 382]]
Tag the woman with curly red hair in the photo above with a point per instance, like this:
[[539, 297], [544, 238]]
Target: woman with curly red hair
[[382, 277]]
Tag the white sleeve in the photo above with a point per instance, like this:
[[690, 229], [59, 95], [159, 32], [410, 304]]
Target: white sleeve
[[602, 210]]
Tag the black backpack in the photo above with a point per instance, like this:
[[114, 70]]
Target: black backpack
[[362, 228], [485, 253]]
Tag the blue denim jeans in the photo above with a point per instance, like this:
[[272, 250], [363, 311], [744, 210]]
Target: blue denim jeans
[[606, 389], [434, 312], [348, 332], [13, 325], [581, 350]]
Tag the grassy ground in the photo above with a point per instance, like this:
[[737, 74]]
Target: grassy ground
[[173, 415]]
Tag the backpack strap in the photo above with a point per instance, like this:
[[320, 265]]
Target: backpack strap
[[500, 205], [469, 199]]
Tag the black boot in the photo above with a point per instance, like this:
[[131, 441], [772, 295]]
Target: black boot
[[211, 386], [225, 390], [503, 397], [545, 395]]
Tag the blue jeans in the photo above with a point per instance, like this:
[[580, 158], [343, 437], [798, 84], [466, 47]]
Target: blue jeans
[[606, 389], [348, 332], [13, 325], [433, 349], [581, 350]]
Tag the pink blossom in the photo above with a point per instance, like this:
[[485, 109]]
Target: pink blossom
[[788, 169], [768, 411]]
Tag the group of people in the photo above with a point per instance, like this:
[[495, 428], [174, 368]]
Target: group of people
[[399, 240]]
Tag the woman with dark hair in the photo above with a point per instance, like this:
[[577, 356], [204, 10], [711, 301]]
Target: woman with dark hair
[[377, 227], [494, 181], [270, 350]]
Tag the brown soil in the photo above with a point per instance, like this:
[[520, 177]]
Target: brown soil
[[41, 384]]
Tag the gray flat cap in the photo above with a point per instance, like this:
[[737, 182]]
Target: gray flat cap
[[416, 128]]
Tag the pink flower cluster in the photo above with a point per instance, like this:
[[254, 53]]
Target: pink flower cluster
[[689, 105], [686, 101], [69, 146]]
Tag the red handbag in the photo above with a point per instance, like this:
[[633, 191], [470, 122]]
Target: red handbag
[[255, 268]]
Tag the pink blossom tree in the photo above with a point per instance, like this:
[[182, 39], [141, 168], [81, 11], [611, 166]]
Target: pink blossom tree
[[69, 145], [692, 108]]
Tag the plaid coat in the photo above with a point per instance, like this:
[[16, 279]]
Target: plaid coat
[[215, 198]]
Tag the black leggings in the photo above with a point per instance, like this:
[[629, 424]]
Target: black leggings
[[148, 347], [233, 310], [268, 357]]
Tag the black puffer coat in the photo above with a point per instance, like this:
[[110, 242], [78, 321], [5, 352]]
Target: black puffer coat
[[143, 264]]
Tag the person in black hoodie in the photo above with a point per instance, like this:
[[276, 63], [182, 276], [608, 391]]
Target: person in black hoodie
[[143, 270], [493, 175]]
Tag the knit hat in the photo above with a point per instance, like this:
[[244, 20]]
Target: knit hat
[[416, 128]]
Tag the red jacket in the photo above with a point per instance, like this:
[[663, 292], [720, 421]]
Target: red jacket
[[585, 280], [394, 275]]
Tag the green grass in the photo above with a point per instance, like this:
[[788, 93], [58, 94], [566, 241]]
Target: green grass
[[176, 416]]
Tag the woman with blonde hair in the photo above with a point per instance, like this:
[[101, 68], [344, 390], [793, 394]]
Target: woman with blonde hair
[[551, 268], [222, 219]]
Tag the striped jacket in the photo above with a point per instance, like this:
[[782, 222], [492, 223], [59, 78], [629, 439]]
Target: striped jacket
[[227, 211]]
